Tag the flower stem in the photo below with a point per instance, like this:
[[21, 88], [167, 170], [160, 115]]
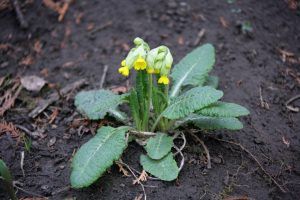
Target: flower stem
[[156, 122]]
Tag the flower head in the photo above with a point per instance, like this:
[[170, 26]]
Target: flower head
[[124, 71], [140, 63], [163, 80]]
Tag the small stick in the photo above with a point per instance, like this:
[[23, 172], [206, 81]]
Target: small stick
[[43, 104], [103, 76], [131, 171], [182, 156], [255, 159], [64, 189], [104, 26], [64, 10], [22, 163], [183, 145], [199, 37], [25, 191], [20, 16], [204, 147], [292, 108], [142, 133]]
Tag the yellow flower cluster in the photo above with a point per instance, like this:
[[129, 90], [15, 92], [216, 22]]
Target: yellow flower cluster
[[124, 70], [156, 61]]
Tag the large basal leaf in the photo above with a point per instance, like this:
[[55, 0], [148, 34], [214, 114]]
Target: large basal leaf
[[193, 69], [214, 123], [212, 81], [96, 103], [165, 169], [159, 146], [98, 154], [222, 109], [192, 100]]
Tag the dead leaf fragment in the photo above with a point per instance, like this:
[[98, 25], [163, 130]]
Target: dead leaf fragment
[[28, 60], [37, 47], [286, 142], [142, 178], [224, 22], [51, 142], [33, 83]]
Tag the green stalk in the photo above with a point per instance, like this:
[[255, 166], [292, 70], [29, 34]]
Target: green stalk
[[148, 103], [156, 122]]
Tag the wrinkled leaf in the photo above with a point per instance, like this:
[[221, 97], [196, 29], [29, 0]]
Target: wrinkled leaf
[[192, 100], [98, 154], [159, 146], [222, 109], [214, 123], [212, 81], [96, 103], [165, 169], [193, 69]]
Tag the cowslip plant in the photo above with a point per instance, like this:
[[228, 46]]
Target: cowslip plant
[[156, 109]]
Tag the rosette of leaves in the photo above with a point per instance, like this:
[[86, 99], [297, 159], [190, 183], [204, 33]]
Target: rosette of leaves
[[192, 99]]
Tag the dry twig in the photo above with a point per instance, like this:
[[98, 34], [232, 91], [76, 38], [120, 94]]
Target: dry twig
[[292, 108], [255, 159], [135, 176], [9, 98], [204, 147], [43, 104], [103, 76]]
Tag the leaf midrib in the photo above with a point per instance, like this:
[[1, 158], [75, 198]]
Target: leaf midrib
[[104, 141]]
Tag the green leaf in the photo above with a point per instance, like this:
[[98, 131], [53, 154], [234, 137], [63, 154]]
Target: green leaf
[[193, 69], [192, 100], [212, 81], [8, 180], [215, 123], [96, 103], [98, 154], [118, 115], [4, 172], [159, 146], [165, 169], [222, 109]]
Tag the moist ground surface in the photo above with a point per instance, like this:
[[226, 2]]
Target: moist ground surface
[[97, 33]]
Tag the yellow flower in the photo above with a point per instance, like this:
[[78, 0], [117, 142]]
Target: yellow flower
[[124, 71], [164, 80], [123, 63], [150, 71], [140, 64]]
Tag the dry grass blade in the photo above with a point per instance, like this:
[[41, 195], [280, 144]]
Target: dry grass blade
[[255, 159], [8, 99], [142, 178], [10, 128]]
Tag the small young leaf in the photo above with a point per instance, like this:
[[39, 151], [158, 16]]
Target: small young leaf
[[165, 169], [222, 109], [96, 103], [8, 180], [212, 81], [193, 68], [191, 101], [215, 123], [95, 156], [159, 146]]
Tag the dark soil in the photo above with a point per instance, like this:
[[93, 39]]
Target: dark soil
[[246, 62]]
